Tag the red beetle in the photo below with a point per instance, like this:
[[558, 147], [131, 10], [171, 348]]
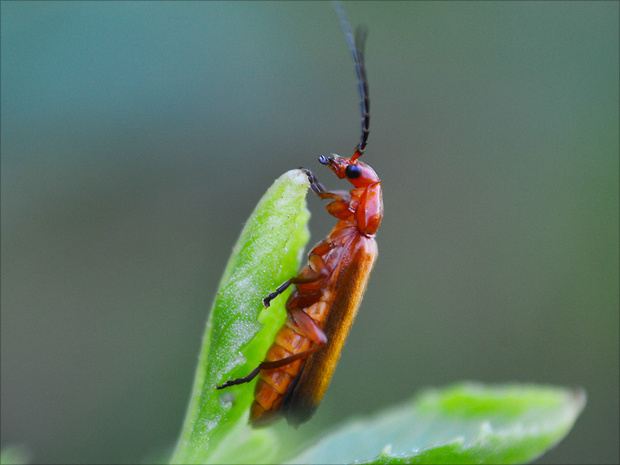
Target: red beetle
[[328, 290]]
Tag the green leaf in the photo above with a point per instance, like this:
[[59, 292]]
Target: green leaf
[[15, 455], [266, 254], [465, 423]]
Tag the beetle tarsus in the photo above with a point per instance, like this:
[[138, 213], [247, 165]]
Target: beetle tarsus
[[246, 379], [279, 290]]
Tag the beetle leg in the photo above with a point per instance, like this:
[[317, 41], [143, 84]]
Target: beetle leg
[[316, 271], [279, 290], [309, 278], [308, 327], [320, 191], [269, 365], [315, 185], [243, 380]]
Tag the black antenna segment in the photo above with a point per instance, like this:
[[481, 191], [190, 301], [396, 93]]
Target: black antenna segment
[[356, 45]]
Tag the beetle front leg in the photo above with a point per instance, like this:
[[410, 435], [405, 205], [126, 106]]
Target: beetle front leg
[[320, 191]]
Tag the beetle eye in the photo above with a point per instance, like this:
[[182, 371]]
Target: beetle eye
[[353, 171]]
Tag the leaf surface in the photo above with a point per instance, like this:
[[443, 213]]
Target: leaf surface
[[465, 423]]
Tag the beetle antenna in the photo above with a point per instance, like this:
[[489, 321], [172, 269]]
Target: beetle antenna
[[356, 45]]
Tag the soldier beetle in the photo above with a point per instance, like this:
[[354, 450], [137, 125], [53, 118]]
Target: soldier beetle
[[328, 290]]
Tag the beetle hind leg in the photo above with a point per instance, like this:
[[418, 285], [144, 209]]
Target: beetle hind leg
[[245, 379], [308, 327]]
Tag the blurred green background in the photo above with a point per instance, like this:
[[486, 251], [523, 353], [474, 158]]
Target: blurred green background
[[138, 137]]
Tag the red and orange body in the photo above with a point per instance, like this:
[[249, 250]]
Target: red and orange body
[[328, 290]]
